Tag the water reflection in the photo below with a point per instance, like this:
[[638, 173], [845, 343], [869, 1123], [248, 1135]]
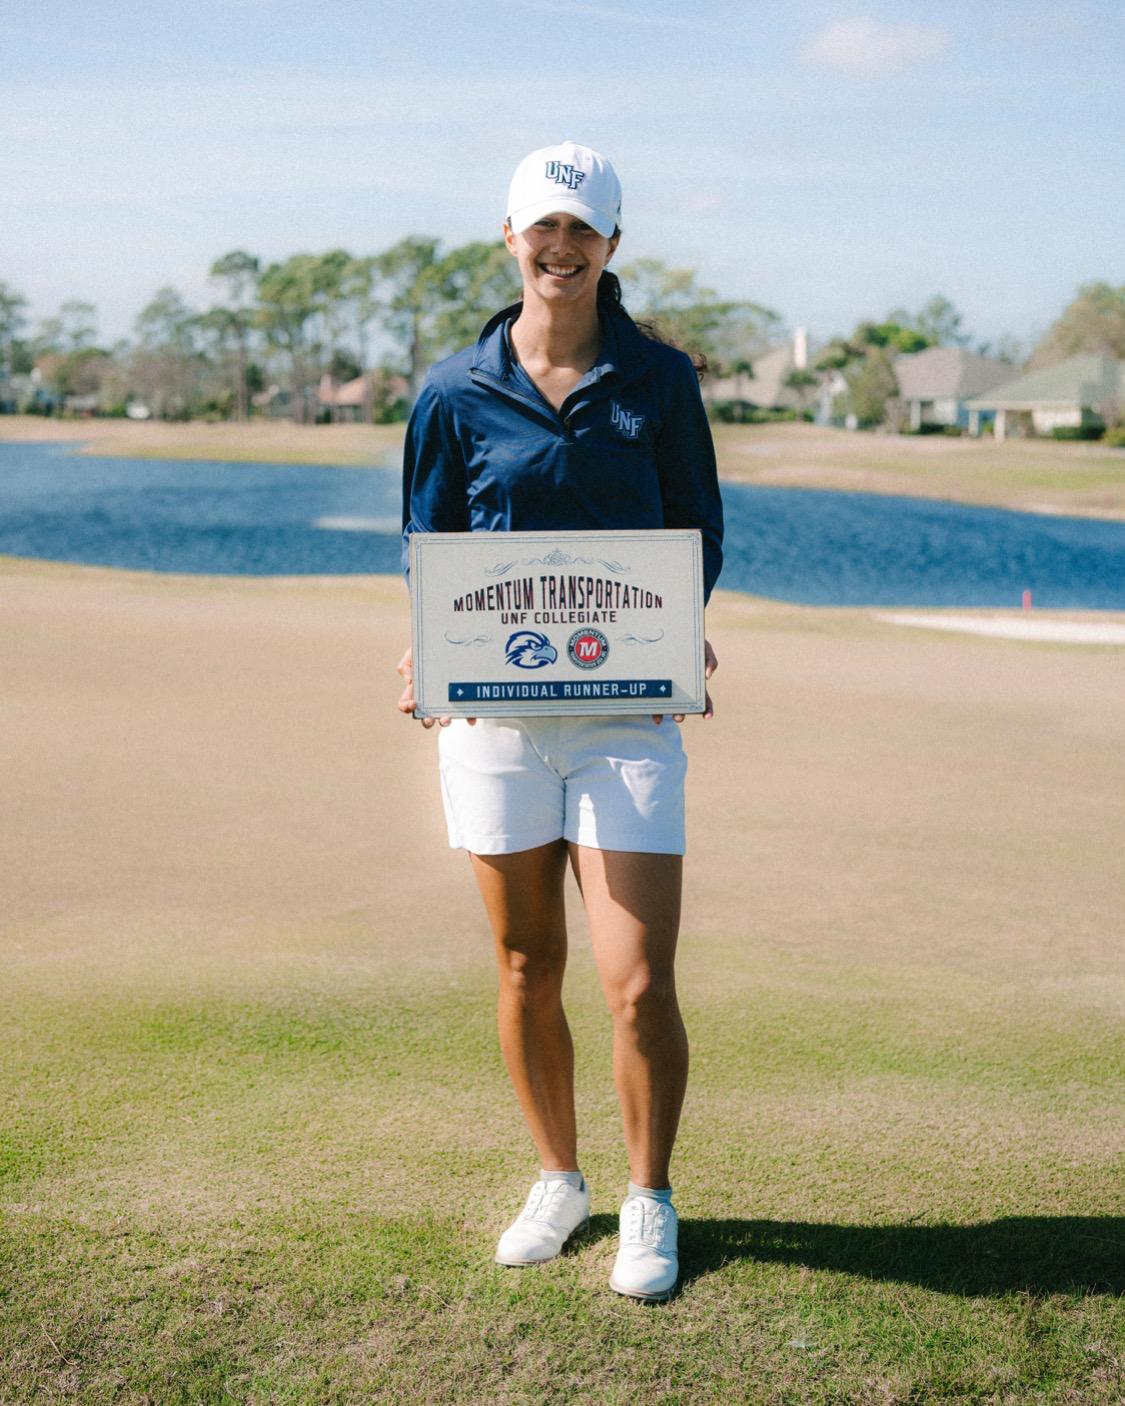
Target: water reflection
[[812, 547]]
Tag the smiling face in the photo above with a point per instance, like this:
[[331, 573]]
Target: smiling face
[[561, 257]]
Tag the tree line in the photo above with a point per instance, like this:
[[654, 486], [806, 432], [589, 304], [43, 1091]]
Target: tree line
[[309, 316], [276, 329]]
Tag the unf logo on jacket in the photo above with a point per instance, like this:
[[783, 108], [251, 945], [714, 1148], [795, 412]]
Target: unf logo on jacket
[[624, 421], [564, 174]]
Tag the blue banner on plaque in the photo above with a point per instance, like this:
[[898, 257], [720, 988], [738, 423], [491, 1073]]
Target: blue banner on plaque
[[564, 690]]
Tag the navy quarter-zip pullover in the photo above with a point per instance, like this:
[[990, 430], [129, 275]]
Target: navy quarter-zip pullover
[[630, 447]]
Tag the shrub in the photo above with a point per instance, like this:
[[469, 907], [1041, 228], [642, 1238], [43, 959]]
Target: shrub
[[1076, 432], [1115, 438], [393, 413]]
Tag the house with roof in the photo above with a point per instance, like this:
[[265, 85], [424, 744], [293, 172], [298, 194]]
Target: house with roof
[[937, 385], [1074, 394], [356, 399], [765, 388]]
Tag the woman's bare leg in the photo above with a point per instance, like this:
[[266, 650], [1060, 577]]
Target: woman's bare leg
[[523, 894], [633, 904]]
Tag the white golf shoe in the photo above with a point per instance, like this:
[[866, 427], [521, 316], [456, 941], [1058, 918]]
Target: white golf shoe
[[554, 1212], [648, 1262]]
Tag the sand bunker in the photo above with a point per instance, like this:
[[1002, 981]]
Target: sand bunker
[[1018, 627]]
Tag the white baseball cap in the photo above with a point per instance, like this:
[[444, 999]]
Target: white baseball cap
[[568, 177]]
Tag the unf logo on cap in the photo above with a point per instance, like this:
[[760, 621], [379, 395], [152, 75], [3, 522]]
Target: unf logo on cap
[[588, 648], [564, 174]]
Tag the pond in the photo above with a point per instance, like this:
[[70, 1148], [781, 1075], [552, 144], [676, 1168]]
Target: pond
[[804, 545]]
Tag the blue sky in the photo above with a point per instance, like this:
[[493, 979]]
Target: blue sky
[[831, 161]]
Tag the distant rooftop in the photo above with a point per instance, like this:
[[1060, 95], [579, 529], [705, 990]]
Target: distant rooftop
[[1080, 380], [948, 373], [766, 388]]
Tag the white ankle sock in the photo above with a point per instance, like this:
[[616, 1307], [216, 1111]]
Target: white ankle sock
[[574, 1178], [653, 1193]]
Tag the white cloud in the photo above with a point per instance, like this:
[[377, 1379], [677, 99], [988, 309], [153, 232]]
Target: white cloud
[[866, 46]]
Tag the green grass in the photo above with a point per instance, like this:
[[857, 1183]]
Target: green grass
[[1037, 474], [343, 446], [897, 1185]]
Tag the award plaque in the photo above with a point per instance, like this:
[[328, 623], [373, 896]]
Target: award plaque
[[509, 624]]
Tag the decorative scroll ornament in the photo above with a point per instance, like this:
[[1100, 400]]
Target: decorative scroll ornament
[[556, 557]]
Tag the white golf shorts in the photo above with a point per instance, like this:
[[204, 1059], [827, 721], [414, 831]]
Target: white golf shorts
[[614, 782]]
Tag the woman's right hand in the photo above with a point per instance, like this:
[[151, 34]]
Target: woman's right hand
[[406, 702]]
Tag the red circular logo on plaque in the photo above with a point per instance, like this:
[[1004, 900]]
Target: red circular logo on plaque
[[587, 648]]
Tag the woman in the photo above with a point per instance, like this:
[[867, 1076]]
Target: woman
[[566, 416]]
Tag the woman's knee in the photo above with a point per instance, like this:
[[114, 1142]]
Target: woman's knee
[[532, 972], [642, 996]]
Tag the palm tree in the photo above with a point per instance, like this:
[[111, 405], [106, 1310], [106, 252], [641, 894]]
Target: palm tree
[[12, 305], [802, 383], [287, 296], [239, 271], [409, 297]]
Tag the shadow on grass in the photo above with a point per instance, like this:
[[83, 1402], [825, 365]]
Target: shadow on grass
[[1037, 1254]]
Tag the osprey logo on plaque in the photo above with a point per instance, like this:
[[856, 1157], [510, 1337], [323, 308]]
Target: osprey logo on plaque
[[588, 648], [528, 649]]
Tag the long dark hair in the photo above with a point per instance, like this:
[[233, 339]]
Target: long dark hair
[[609, 295]]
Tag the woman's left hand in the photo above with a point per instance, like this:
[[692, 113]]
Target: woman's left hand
[[406, 702], [710, 664]]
